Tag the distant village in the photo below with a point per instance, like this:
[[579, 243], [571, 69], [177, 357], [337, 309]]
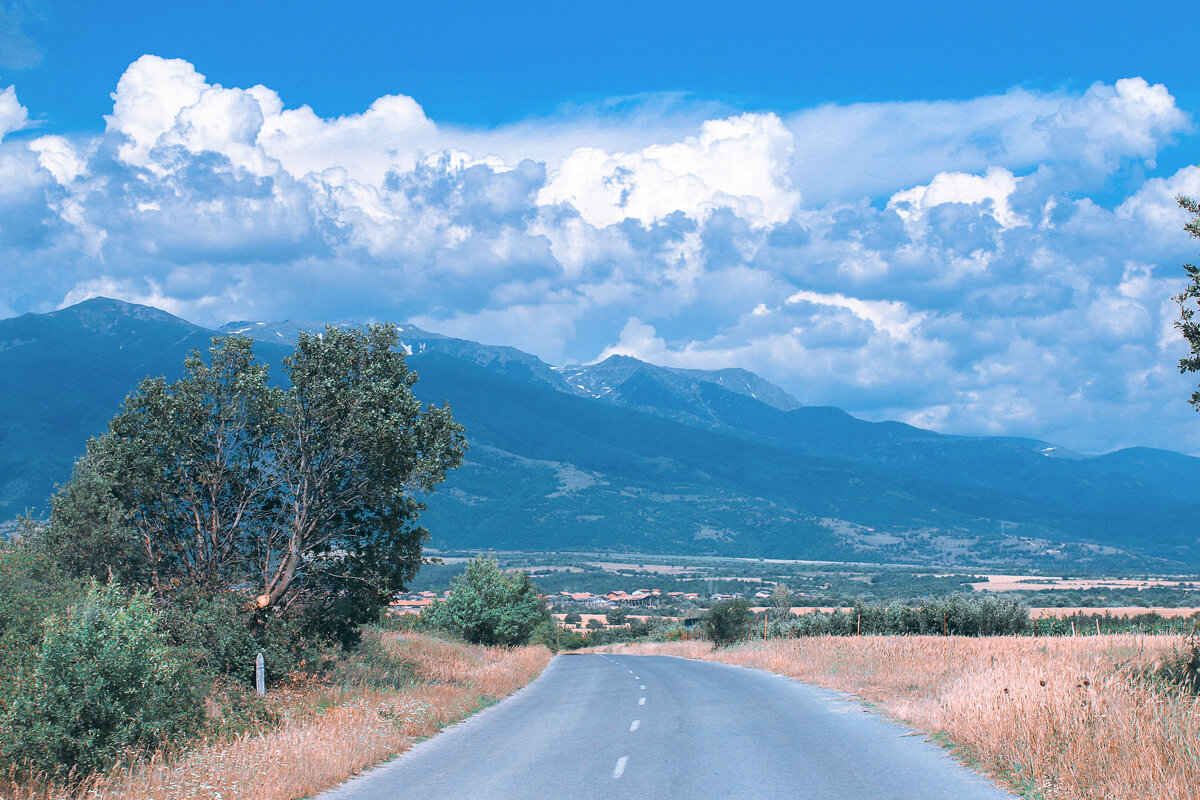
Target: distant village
[[416, 602]]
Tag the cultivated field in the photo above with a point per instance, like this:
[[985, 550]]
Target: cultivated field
[[1035, 583], [1062, 717], [328, 733]]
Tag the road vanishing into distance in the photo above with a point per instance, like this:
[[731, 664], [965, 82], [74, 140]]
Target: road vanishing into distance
[[661, 728]]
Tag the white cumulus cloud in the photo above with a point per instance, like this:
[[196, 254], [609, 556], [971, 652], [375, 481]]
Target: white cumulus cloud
[[147, 102], [739, 163], [939, 262], [993, 188]]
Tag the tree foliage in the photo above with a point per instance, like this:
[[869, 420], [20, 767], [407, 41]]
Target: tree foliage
[[1188, 300], [307, 495], [106, 686], [727, 621], [617, 616], [92, 535], [31, 589], [213, 630], [954, 615], [353, 450], [781, 598], [489, 606]]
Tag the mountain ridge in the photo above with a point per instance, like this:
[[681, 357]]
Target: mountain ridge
[[666, 460], [586, 380]]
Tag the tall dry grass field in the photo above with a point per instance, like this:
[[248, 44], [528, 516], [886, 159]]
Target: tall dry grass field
[[1071, 718], [328, 733]]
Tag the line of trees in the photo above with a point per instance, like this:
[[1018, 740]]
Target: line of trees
[[955, 615]]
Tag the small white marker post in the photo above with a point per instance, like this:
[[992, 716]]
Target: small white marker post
[[260, 675]]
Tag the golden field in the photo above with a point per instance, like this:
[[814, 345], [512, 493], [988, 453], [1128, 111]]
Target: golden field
[[328, 732], [1056, 718]]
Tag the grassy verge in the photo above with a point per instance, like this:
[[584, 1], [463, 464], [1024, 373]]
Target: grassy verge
[[1093, 718], [404, 688]]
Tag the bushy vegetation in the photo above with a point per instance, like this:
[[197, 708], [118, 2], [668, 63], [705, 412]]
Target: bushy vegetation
[[490, 606], [727, 622], [373, 665], [220, 516], [219, 635], [956, 615], [1087, 623], [106, 686], [31, 590]]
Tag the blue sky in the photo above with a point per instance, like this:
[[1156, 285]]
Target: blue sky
[[486, 63], [958, 217]]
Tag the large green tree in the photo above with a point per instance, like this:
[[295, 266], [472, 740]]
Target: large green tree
[[352, 452], [307, 494], [187, 466]]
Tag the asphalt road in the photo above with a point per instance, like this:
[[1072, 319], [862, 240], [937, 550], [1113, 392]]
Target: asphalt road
[[657, 728]]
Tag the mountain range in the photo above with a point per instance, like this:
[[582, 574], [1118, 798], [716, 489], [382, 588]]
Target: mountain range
[[629, 456]]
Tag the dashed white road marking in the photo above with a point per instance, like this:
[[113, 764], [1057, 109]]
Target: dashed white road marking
[[633, 726], [641, 701], [619, 769]]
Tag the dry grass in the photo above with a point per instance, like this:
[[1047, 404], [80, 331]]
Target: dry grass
[[1052, 718], [328, 733]]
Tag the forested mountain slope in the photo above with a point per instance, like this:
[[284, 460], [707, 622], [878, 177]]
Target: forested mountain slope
[[626, 455]]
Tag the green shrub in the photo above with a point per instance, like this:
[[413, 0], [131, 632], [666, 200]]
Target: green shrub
[[400, 622], [105, 687], [727, 622], [31, 589], [234, 709], [224, 637], [489, 606], [552, 636]]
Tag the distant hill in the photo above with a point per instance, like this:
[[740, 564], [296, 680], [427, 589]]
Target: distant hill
[[625, 455], [1171, 473]]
